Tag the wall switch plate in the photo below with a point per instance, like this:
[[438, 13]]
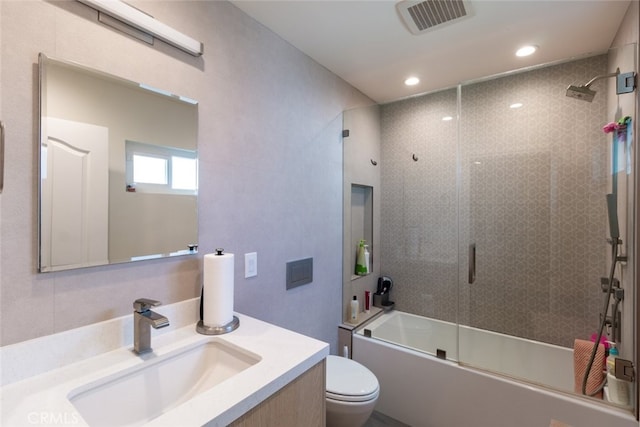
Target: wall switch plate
[[250, 264]]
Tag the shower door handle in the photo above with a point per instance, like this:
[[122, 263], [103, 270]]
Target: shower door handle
[[472, 263]]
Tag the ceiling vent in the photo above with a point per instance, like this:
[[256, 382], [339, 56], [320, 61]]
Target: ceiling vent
[[423, 16]]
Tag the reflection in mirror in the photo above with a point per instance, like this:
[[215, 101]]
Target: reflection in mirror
[[118, 169]]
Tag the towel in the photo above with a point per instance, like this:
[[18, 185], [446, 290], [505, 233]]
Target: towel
[[581, 353]]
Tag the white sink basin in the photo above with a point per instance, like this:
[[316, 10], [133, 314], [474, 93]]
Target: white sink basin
[[137, 395]]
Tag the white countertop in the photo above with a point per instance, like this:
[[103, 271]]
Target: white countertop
[[42, 398]]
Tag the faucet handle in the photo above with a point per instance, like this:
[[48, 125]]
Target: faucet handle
[[143, 304]]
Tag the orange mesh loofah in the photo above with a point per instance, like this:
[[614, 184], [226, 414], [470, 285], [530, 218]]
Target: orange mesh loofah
[[581, 353]]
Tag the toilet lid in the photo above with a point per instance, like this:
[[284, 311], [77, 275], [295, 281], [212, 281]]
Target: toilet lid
[[348, 380]]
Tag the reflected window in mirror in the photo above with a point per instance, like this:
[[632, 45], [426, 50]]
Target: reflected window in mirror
[[160, 169]]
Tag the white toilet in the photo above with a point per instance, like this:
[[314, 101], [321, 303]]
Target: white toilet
[[352, 392]]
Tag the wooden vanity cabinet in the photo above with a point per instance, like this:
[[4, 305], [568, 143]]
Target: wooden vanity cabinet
[[299, 403]]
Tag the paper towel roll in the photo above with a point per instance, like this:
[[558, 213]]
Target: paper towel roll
[[217, 298]]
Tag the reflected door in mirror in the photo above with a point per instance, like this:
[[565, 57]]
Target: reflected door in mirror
[[75, 192]]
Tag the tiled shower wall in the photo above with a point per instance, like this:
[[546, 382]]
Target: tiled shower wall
[[526, 185]]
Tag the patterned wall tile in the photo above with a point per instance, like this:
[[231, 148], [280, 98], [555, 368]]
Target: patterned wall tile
[[526, 185]]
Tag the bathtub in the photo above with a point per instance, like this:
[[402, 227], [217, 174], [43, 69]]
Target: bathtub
[[425, 391]]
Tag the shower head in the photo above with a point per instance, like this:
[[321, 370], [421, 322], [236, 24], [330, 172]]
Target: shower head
[[583, 92]]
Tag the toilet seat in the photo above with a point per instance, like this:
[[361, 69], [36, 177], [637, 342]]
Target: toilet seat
[[349, 381]]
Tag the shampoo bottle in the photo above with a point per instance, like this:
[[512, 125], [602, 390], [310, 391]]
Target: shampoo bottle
[[361, 268], [618, 389], [367, 301], [354, 309], [611, 359], [366, 259]]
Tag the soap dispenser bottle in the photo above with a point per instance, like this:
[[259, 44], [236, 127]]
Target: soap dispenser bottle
[[361, 266]]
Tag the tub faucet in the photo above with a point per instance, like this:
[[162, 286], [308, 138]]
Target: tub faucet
[[143, 320]]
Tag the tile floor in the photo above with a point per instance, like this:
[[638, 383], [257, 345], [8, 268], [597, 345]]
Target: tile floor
[[379, 420]]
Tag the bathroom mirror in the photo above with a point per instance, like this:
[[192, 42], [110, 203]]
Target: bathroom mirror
[[118, 169]]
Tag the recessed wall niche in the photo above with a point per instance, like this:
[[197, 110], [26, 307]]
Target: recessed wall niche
[[361, 223]]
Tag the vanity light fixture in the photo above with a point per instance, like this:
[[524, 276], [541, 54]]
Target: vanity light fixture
[[516, 105], [526, 50], [146, 23], [447, 118]]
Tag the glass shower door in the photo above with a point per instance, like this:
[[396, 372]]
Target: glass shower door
[[419, 213], [533, 175]]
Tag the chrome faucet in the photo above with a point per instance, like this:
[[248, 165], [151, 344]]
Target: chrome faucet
[[143, 320]]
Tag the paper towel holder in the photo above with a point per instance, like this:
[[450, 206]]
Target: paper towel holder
[[203, 329]]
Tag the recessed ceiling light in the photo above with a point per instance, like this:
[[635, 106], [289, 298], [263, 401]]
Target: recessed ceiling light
[[447, 118], [412, 81], [526, 50], [516, 105]]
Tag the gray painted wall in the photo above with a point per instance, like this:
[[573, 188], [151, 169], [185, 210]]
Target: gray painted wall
[[270, 151]]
